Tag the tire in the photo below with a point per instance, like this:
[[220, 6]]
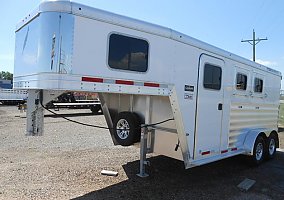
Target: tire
[[271, 146], [258, 151], [127, 127], [138, 132]]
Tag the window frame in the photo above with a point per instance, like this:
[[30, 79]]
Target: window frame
[[254, 85], [133, 37], [236, 83], [203, 84]]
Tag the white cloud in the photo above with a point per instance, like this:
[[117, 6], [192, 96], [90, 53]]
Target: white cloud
[[267, 63]]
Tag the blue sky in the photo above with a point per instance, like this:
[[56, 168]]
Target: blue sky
[[222, 23]]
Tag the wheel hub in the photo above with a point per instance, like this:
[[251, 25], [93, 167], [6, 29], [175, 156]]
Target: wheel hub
[[122, 129], [272, 146], [259, 151]]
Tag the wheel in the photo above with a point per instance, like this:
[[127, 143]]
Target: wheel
[[271, 146], [128, 128], [95, 109], [258, 151]]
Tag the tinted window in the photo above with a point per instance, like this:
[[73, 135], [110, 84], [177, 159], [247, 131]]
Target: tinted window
[[258, 85], [128, 53], [241, 83], [212, 77]]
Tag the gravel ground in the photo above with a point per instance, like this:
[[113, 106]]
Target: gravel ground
[[66, 162]]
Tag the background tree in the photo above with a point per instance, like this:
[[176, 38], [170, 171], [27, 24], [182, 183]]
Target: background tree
[[6, 75]]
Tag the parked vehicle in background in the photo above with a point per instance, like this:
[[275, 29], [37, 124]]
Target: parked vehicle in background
[[6, 84], [12, 96], [77, 100]]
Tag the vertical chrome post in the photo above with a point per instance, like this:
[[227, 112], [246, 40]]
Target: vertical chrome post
[[143, 152], [35, 114], [144, 137]]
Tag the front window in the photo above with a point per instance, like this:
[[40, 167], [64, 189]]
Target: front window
[[128, 53]]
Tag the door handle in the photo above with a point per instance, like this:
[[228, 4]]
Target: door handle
[[220, 106]]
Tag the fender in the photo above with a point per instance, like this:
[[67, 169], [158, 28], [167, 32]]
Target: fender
[[250, 139]]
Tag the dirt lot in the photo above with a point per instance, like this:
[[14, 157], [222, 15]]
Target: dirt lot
[[66, 162]]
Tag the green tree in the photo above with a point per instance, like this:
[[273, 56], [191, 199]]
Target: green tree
[[6, 75]]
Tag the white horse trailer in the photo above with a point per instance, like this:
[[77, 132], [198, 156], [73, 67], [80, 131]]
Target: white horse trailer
[[221, 105]]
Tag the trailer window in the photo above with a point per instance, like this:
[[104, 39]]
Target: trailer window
[[241, 83], [127, 53], [212, 77], [258, 85]]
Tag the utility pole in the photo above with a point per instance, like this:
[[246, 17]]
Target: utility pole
[[254, 42]]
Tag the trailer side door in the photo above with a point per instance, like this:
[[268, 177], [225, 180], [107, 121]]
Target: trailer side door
[[209, 109]]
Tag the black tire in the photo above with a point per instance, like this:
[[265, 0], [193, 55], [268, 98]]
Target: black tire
[[271, 146], [95, 109], [127, 128], [258, 151], [138, 132]]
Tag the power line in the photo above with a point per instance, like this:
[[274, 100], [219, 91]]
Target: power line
[[254, 42]]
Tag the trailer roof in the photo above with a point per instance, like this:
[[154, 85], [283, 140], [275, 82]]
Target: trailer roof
[[67, 6]]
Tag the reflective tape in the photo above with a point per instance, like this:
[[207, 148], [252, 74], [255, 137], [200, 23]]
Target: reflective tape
[[123, 82]]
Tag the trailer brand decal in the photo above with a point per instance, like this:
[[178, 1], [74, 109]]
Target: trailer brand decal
[[189, 88], [188, 96], [122, 82]]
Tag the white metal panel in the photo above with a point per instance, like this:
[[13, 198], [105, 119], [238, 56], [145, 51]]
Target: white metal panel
[[90, 55], [165, 144], [45, 45], [110, 18], [185, 85], [56, 6], [248, 116], [251, 111], [26, 49], [208, 118], [27, 19], [115, 19]]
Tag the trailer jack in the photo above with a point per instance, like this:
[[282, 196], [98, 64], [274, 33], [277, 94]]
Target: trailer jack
[[143, 152], [35, 110], [35, 114]]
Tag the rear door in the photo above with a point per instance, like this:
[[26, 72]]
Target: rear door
[[208, 129]]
